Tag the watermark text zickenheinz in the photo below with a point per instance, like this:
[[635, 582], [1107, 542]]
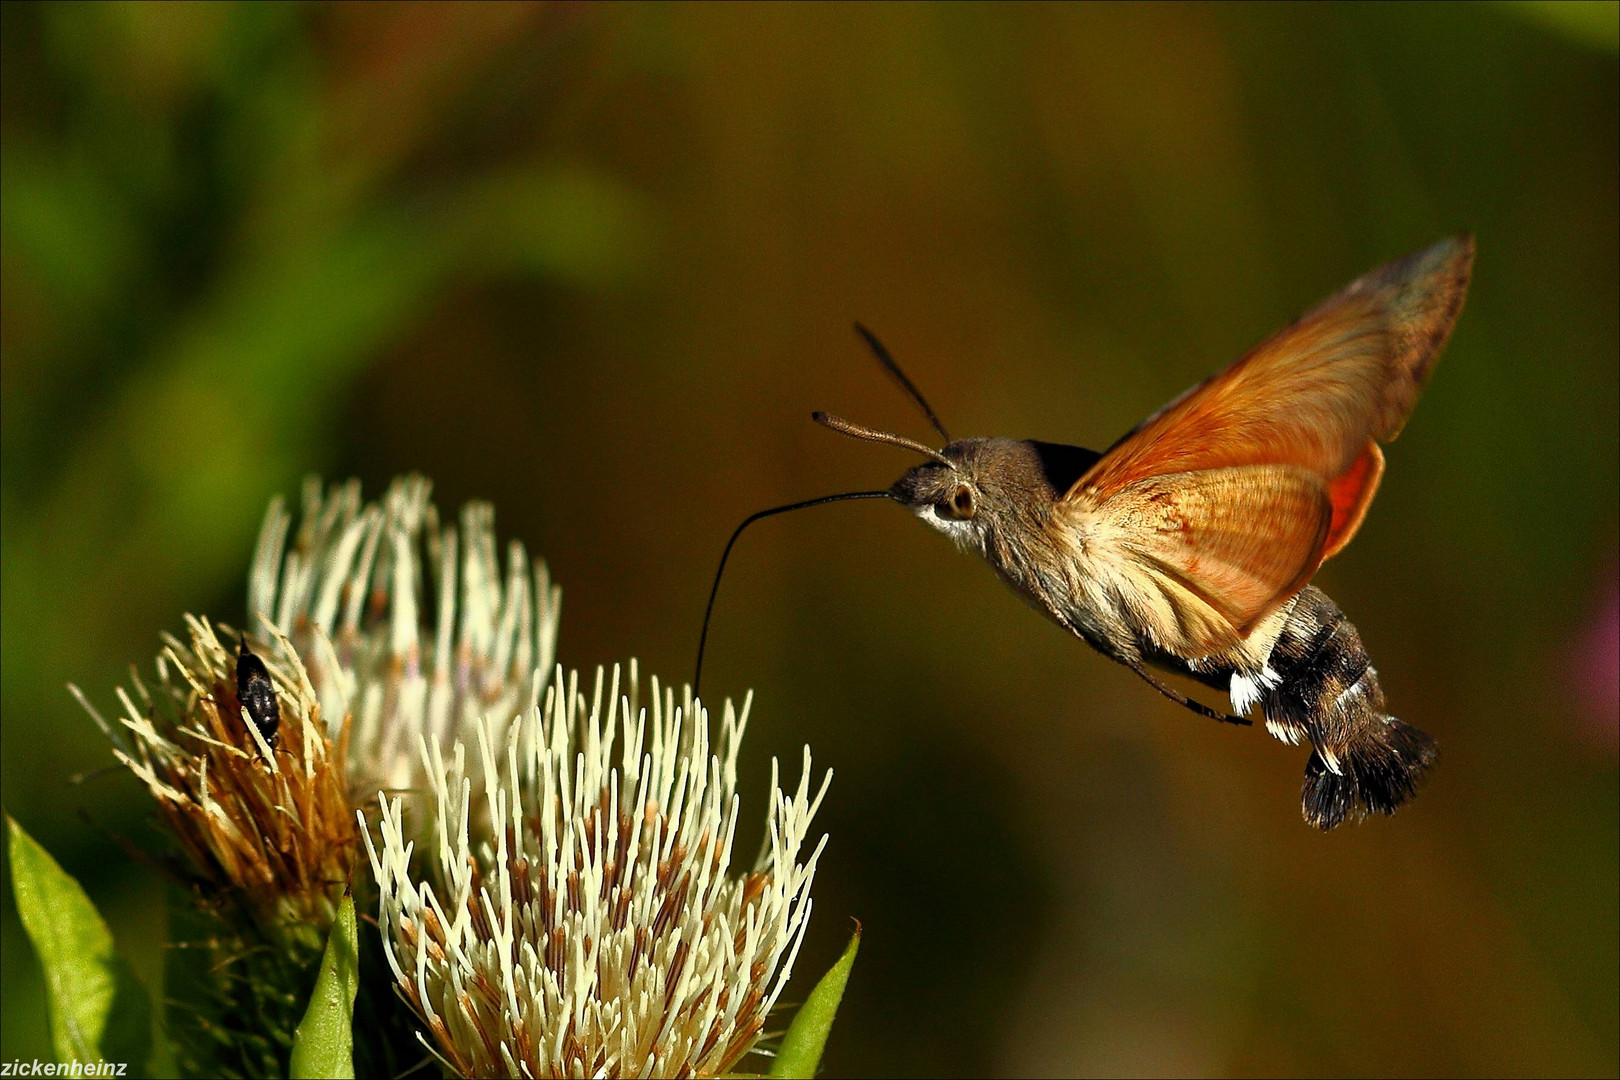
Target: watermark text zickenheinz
[[36, 1067]]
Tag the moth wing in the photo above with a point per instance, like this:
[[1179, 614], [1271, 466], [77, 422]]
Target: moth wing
[[1351, 492], [1204, 556], [1314, 400], [1317, 392]]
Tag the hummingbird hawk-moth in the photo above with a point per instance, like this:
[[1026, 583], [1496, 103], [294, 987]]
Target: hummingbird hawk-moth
[[1188, 545]]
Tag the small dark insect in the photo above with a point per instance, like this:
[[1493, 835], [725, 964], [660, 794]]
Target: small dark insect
[[1188, 546], [257, 693]]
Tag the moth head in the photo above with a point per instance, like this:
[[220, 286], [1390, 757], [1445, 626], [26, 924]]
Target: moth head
[[947, 494], [985, 486], [963, 489]]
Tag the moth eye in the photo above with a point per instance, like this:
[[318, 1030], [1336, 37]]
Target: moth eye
[[960, 506]]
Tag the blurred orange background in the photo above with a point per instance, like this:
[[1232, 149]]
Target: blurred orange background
[[598, 263]]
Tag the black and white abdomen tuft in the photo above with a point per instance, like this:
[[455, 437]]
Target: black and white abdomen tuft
[[1317, 685]]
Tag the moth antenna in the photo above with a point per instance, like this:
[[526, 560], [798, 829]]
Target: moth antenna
[[703, 637], [855, 431], [906, 384]]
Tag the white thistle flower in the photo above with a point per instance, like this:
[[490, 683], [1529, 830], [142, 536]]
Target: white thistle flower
[[353, 591], [584, 920]]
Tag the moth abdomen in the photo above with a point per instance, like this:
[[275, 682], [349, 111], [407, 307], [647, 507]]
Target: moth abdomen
[[1377, 771], [1326, 691]]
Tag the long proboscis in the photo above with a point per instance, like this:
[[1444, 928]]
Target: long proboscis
[[714, 590]]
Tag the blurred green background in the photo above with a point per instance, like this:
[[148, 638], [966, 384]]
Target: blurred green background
[[598, 264]]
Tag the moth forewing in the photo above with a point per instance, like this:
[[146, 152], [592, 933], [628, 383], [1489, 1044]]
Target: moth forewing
[[1316, 392]]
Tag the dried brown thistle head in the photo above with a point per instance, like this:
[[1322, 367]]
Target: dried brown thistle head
[[232, 744]]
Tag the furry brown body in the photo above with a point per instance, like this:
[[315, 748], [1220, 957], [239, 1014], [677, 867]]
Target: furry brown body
[[1303, 664]]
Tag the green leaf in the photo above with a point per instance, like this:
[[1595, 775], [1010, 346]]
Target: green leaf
[[98, 1009], [323, 1045], [806, 1038]]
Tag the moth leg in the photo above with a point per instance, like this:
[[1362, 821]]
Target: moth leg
[[1182, 699]]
